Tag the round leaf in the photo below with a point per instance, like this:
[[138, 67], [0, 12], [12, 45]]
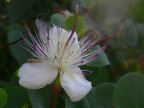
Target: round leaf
[[40, 98], [57, 20], [102, 60], [129, 92], [3, 97], [91, 72], [101, 96], [17, 97], [102, 77], [80, 27], [84, 103], [14, 79]]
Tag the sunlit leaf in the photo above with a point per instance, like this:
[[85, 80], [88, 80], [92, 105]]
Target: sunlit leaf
[[80, 27], [3, 97]]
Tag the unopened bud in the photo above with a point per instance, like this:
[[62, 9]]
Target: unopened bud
[[76, 9]]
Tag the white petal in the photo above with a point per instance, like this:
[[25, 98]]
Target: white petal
[[74, 84], [72, 55], [57, 36], [36, 75], [74, 36]]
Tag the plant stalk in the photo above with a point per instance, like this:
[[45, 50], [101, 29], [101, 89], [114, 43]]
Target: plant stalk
[[53, 101]]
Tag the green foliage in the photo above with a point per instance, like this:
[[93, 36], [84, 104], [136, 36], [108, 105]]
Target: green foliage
[[80, 27], [14, 79], [14, 33], [137, 9], [3, 97], [100, 96], [113, 85], [84, 103], [129, 91], [96, 75], [102, 60], [40, 98], [17, 97], [58, 20]]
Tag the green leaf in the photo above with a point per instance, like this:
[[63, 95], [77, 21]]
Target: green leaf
[[102, 60], [82, 33], [102, 77], [58, 20], [91, 72], [14, 79], [95, 75], [17, 50], [129, 92], [25, 106], [60, 103], [80, 27], [137, 9], [17, 97], [84, 103], [101, 96], [3, 97], [40, 98]]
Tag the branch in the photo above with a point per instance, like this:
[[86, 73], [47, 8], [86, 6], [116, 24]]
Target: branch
[[6, 45]]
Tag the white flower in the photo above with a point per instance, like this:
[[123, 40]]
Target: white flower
[[59, 52]]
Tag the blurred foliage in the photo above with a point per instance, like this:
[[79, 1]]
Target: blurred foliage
[[3, 97], [129, 97], [116, 75]]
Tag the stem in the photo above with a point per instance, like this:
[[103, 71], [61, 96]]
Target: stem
[[73, 29], [52, 101], [75, 23], [6, 45]]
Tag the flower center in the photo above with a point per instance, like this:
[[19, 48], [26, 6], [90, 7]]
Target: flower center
[[60, 64]]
